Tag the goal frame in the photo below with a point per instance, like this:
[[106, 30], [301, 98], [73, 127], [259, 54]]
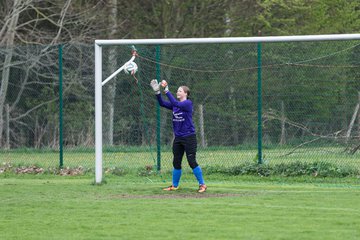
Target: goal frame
[[171, 41]]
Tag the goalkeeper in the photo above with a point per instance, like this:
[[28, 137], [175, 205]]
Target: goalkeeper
[[184, 131]]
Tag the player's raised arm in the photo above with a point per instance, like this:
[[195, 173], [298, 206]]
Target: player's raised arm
[[156, 87]]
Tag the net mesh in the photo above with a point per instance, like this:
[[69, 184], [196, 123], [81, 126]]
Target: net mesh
[[310, 93]]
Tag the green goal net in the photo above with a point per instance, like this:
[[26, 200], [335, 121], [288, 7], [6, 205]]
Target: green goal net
[[267, 100]]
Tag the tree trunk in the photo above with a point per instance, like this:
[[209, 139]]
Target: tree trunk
[[165, 137], [348, 133], [112, 68], [7, 145], [6, 67], [282, 137], [202, 128], [233, 120], [359, 118], [36, 132]]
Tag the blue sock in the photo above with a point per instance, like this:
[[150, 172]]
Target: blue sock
[[198, 174], [176, 177]]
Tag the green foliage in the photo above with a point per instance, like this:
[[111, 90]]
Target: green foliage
[[292, 169], [279, 17], [89, 20]]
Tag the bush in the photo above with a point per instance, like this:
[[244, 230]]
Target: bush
[[294, 169]]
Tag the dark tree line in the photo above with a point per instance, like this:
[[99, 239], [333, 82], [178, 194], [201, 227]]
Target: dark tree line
[[31, 30]]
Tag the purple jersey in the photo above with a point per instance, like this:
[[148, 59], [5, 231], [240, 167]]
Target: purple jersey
[[183, 125]]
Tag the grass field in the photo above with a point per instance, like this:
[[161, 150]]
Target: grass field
[[56, 207]]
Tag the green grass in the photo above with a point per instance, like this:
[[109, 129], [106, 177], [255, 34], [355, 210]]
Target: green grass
[[55, 207], [134, 158]]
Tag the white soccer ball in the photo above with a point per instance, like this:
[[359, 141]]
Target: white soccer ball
[[131, 68]]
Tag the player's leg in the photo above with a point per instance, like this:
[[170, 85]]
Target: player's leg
[[178, 153], [190, 149]]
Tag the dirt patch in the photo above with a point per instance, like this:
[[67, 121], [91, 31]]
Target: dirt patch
[[182, 195]]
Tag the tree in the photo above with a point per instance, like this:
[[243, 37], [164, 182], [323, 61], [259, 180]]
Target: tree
[[35, 26], [8, 31], [32, 23], [285, 17], [111, 87]]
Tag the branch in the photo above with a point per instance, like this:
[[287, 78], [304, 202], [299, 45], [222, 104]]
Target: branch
[[16, 10], [61, 21], [299, 146], [273, 116], [32, 109], [353, 151]]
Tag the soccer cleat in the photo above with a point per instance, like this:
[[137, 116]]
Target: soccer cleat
[[202, 188], [171, 188]]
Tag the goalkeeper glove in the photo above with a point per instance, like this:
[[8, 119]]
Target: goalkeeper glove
[[165, 85], [155, 86]]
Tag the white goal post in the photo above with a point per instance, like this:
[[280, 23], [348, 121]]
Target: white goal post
[[99, 78]]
